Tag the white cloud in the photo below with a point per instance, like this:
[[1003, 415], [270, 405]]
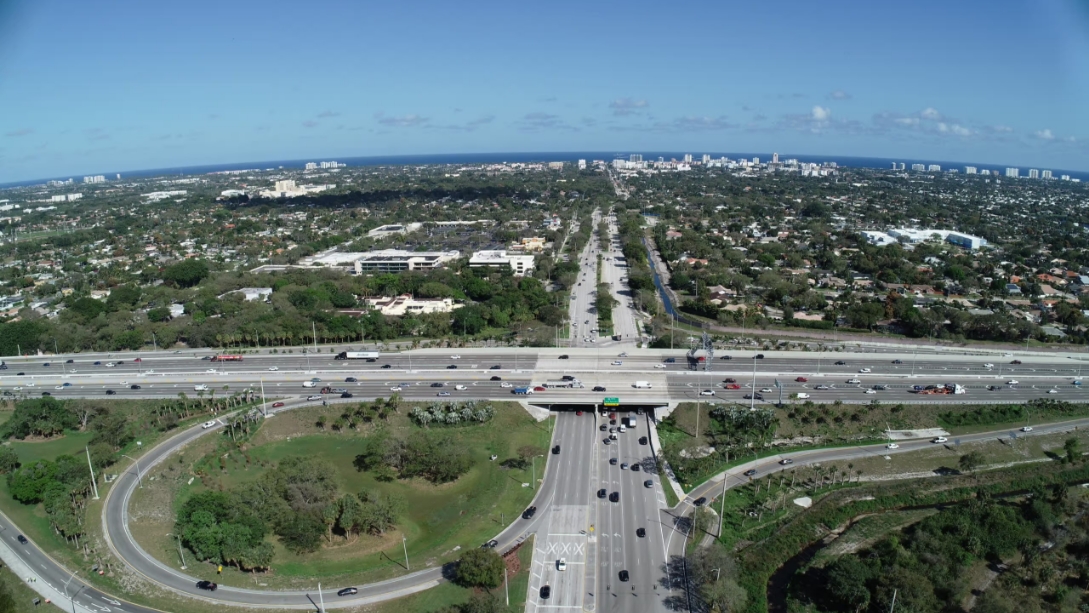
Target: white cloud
[[907, 121], [404, 121], [955, 129], [1044, 134], [627, 106], [821, 113], [930, 113], [839, 94]]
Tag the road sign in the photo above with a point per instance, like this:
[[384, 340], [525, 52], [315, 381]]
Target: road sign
[[611, 402]]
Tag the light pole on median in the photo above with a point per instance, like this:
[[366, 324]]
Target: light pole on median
[[138, 480], [73, 598], [181, 554]]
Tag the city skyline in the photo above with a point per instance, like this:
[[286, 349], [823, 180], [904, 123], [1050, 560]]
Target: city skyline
[[431, 80]]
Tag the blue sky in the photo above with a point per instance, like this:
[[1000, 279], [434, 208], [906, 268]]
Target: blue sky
[[93, 86]]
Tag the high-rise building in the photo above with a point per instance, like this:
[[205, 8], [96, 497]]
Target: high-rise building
[[582, 164], [1047, 175], [919, 167], [1065, 177], [894, 165], [756, 160], [311, 166], [706, 158], [118, 176], [934, 168], [95, 179], [1013, 173], [775, 158], [969, 170], [1034, 173], [688, 158], [636, 158], [985, 172]]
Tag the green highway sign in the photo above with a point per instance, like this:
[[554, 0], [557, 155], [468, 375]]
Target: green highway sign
[[611, 402]]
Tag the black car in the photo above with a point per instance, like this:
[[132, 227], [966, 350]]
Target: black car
[[612, 461], [614, 497], [897, 362], [22, 539], [46, 394], [624, 575], [556, 450], [496, 378], [348, 591], [529, 512], [69, 361], [671, 360], [20, 374], [567, 378], [134, 387], [98, 363], [46, 365], [207, 585], [452, 367], [700, 501], [601, 493], [496, 367], [492, 544], [599, 388], [642, 440], [725, 357], [635, 468], [603, 427], [841, 363], [750, 473], [759, 356], [565, 357], [641, 532], [386, 366], [991, 388], [438, 384], [351, 380], [110, 392], [546, 592], [648, 483], [346, 395], [120, 362], [612, 422]]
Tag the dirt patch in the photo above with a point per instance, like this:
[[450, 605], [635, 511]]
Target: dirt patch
[[511, 559]]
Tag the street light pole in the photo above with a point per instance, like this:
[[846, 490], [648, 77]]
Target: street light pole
[[138, 480], [94, 486], [752, 403], [73, 598], [404, 543], [321, 600]]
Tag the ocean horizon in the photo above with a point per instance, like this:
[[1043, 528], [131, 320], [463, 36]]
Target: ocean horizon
[[514, 157]]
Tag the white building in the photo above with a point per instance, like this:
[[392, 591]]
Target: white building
[[1046, 175], [252, 293], [520, 264], [555, 165], [1065, 178], [157, 196], [1034, 173], [398, 306], [775, 159], [969, 170], [383, 260], [934, 168], [310, 166], [95, 179], [391, 229], [706, 158], [915, 236], [688, 158], [582, 164], [1013, 173], [919, 167], [880, 239], [332, 165], [288, 189]]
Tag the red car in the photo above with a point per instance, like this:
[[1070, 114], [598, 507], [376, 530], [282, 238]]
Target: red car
[[539, 389], [277, 405], [579, 413], [612, 415], [733, 386], [138, 360], [802, 380]]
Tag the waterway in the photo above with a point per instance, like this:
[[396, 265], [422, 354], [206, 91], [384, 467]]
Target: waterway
[[658, 284]]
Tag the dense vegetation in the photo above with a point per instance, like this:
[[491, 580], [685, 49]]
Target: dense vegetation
[[432, 455]]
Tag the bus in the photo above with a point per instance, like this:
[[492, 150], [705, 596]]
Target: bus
[[226, 358], [357, 355], [573, 384]]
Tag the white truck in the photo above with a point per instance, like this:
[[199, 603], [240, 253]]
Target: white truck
[[200, 388], [642, 385], [309, 384], [802, 396], [629, 421]]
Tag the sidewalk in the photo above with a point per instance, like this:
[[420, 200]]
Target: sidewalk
[[55, 595], [656, 447]]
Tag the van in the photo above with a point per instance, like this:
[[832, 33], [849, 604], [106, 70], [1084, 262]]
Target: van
[[309, 384], [200, 388], [460, 388], [803, 396], [622, 429], [642, 385]]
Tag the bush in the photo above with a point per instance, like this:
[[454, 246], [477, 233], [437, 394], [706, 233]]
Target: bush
[[480, 568]]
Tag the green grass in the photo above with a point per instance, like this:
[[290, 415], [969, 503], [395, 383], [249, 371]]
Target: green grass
[[70, 444]]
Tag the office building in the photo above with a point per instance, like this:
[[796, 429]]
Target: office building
[[311, 166], [635, 158], [706, 158], [775, 158], [95, 179], [582, 164], [1065, 177], [918, 167], [934, 168], [519, 264], [384, 260], [969, 170], [1013, 173], [1034, 173], [555, 165], [688, 158], [1047, 175]]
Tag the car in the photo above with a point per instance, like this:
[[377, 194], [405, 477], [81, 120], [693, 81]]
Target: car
[[59, 387], [314, 397], [940, 439], [134, 387], [641, 532], [840, 363], [1026, 429], [599, 388], [386, 366], [635, 468], [66, 385], [988, 366], [732, 386], [348, 591], [539, 389], [700, 501], [98, 363], [624, 575], [1053, 391], [495, 367], [786, 461], [504, 384], [725, 357], [138, 360], [315, 380], [273, 368], [345, 394], [765, 390], [452, 367], [758, 356], [545, 592], [22, 539], [556, 450], [395, 388], [496, 378], [751, 472], [46, 394], [897, 362], [854, 381], [1011, 382], [69, 361], [991, 388], [871, 391], [671, 360], [207, 357], [612, 422], [492, 544], [659, 365], [1016, 362], [864, 370], [207, 585], [624, 466], [707, 392], [443, 394], [802, 380], [438, 384], [455, 357], [642, 440], [617, 363], [729, 380], [564, 357], [614, 497], [561, 564], [892, 446], [603, 428], [351, 380], [110, 364], [120, 362], [822, 387], [601, 493], [277, 405], [528, 513], [209, 424], [46, 365], [623, 354], [110, 392]]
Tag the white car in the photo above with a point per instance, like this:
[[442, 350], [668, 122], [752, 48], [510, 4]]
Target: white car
[[59, 387], [617, 363], [871, 391], [124, 383], [395, 388], [505, 384], [855, 381], [1053, 391], [460, 388], [208, 424], [623, 355], [1026, 429], [561, 564], [17, 388], [940, 439], [892, 446], [455, 357], [707, 393], [863, 370], [273, 368], [110, 364], [210, 370], [31, 384], [988, 366], [765, 390], [1011, 382], [659, 365]]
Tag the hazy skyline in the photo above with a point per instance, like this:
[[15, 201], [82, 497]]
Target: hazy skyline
[[97, 87]]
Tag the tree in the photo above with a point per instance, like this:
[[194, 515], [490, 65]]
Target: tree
[[480, 568], [158, 314], [1071, 448], [970, 461], [9, 459], [187, 273]]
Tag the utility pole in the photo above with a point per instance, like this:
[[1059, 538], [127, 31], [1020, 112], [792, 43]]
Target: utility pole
[[321, 607], [506, 589], [892, 608], [138, 480], [404, 543], [94, 486], [73, 599], [264, 407], [752, 403]]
